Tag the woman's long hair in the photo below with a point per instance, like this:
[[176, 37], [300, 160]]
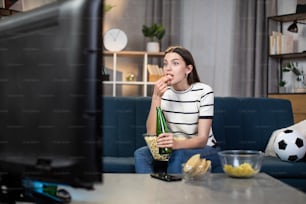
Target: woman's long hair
[[193, 76]]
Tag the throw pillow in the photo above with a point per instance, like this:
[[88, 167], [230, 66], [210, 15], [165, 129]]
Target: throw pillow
[[299, 127]]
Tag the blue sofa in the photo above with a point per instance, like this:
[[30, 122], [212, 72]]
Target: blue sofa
[[239, 123]]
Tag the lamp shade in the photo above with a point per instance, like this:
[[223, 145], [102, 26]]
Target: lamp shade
[[293, 27]]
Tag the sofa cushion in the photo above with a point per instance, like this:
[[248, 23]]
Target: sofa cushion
[[247, 123], [282, 169], [124, 121]]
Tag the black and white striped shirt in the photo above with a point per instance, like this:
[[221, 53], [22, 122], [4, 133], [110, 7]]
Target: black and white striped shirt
[[183, 109]]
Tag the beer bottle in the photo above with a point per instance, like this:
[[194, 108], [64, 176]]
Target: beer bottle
[[161, 127]]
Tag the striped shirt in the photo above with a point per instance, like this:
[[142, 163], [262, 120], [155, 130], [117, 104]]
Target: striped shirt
[[183, 109]]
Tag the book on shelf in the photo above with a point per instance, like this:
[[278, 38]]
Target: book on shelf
[[281, 43], [154, 72]]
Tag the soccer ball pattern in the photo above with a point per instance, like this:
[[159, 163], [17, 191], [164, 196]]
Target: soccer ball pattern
[[289, 145]]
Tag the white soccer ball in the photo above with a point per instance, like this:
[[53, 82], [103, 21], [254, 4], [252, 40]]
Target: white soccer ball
[[289, 145]]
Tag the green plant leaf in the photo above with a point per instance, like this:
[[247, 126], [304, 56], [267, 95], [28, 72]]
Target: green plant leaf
[[154, 31], [108, 7], [282, 83]]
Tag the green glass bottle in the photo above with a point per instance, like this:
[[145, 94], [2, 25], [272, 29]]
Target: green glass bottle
[[161, 127]]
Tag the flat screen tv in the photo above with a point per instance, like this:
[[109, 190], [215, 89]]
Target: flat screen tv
[[51, 101]]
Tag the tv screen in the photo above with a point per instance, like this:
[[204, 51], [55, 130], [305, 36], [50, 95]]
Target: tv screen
[[51, 98]]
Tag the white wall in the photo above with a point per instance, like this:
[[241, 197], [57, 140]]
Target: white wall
[[286, 6]]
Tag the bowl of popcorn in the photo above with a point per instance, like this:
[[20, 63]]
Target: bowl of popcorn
[[151, 141], [241, 163], [196, 168]]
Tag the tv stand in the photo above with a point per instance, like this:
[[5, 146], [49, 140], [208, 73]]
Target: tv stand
[[33, 192]]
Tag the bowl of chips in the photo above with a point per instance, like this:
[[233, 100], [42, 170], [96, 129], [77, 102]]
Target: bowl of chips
[[196, 168], [241, 163]]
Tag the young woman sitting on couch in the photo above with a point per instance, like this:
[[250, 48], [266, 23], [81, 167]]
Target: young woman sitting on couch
[[188, 106]]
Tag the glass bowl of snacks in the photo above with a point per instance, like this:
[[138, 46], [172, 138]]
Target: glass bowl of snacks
[[241, 163], [196, 168]]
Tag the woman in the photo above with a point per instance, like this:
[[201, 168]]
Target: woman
[[188, 107]]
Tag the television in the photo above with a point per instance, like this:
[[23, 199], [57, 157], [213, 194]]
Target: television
[[51, 101]]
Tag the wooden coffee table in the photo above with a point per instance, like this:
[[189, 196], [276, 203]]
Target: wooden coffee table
[[216, 188]]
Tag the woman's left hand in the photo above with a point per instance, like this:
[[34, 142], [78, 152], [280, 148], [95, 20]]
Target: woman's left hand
[[165, 140]]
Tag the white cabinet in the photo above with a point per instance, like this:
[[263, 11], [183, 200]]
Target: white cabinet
[[128, 74]]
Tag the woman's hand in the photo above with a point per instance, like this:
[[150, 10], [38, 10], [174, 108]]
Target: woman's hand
[[159, 89], [165, 140], [162, 85]]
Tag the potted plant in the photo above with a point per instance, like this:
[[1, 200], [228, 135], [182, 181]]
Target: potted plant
[[293, 76], [155, 33]]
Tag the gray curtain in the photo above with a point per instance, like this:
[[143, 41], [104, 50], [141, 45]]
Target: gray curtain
[[167, 13], [251, 47]]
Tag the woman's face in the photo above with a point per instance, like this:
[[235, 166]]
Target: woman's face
[[176, 68]]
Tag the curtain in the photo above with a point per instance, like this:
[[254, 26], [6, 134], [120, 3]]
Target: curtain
[[249, 69], [167, 13]]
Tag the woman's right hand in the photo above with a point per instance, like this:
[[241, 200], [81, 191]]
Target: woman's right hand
[[162, 85], [159, 89]]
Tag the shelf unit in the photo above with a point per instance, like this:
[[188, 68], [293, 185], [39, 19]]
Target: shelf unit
[[143, 82], [297, 99], [277, 59], [289, 55]]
